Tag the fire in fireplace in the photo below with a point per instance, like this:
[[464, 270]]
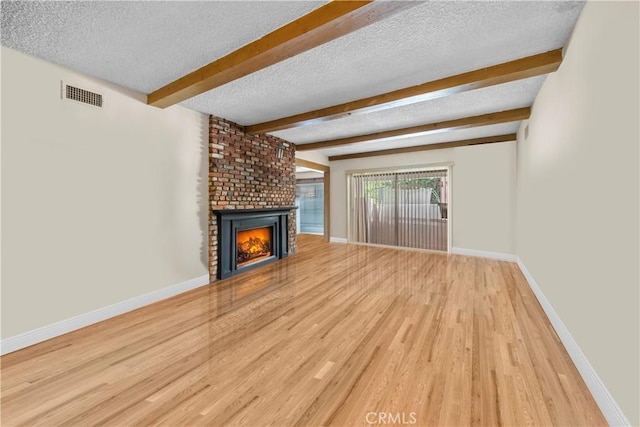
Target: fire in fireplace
[[250, 238], [253, 245]]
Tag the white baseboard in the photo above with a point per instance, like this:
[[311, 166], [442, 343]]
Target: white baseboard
[[484, 254], [602, 396], [44, 333], [338, 240]]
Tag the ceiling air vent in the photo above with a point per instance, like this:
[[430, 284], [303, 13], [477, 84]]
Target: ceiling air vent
[[81, 95]]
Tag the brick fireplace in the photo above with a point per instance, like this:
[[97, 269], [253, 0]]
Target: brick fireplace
[[246, 174]]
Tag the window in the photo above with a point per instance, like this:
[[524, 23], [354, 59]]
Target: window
[[310, 202], [400, 208]]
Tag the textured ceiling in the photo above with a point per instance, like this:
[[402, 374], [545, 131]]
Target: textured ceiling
[[424, 43], [145, 45], [141, 45], [499, 98], [446, 136]]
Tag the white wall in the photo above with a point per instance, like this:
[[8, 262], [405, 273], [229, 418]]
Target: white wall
[[483, 190], [313, 156], [578, 194], [99, 205]]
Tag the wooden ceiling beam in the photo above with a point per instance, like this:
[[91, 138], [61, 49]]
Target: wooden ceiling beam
[[449, 125], [522, 68], [426, 147], [328, 22]]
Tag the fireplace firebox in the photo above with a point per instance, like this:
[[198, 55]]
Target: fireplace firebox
[[248, 238], [253, 245]]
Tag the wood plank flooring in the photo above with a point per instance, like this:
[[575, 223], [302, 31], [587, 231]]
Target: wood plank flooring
[[334, 335]]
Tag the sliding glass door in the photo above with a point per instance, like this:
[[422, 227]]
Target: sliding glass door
[[403, 208]]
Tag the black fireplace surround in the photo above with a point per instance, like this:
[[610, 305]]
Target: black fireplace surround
[[233, 221]]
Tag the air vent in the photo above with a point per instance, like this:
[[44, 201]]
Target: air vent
[[81, 95]]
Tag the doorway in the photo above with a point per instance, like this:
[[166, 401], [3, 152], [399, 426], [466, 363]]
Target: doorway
[[312, 198], [310, 203]]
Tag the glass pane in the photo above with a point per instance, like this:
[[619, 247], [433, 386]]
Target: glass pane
[[310, 200], [406, 209]]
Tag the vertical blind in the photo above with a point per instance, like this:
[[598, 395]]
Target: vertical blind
[[407, 209]]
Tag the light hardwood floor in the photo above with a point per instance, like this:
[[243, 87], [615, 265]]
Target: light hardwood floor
[[324, 337]]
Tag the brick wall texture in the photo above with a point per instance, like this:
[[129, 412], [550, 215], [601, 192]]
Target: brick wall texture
[[245, 173]]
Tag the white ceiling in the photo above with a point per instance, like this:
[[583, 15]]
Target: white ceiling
[[430, 41], [434, 138], [145, 45], [141, 45], [307, 173], [499, 98], [300, 169]]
